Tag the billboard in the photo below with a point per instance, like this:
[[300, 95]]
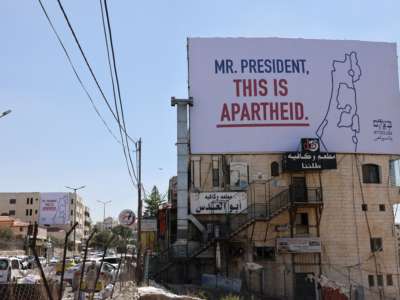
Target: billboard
[[54, 209], [218, 203], [264, 94]]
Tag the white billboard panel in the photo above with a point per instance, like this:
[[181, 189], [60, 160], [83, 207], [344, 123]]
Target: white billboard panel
[[218, 202], [299, 245], [54, 209], [264, 94]]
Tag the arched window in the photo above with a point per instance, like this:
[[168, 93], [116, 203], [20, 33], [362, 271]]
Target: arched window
[[274, 169], [370, 173]]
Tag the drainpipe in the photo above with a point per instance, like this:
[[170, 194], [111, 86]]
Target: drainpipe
[[183, 161]]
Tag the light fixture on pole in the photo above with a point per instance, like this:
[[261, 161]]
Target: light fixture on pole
[[104, 209], [76, 200]]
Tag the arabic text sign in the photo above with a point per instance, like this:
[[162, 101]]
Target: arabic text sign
[[54, 209], [299, 161], [149, 224], [263, 94], [218, 202], [299, 245]]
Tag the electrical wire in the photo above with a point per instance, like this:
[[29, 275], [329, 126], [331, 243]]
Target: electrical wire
[[124, 141], [90, 68], [83, 85], [118, 86], [76, 73]]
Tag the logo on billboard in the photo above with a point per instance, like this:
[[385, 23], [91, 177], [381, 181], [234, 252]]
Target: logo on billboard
[[310, 145], [383, 130]]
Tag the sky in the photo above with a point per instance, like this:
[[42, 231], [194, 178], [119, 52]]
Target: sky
[[53, 136]]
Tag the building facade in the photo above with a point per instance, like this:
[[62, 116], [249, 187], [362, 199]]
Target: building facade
[[292, 226], [25, 207]]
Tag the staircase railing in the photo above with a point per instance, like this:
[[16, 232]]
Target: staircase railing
[[236, 223]]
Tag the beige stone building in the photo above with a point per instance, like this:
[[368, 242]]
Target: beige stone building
[[25, 206], [301, 232]]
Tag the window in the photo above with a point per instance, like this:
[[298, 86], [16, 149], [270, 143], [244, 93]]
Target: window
[[379, 280], [31, 200], [26, 212], [389, 279], [27, 200], [195, 173], [30, 212], [382, 207], [371, 281], [11, 212], [215, 171], [376, 244], [35, 211], [364, 207], [21, 229], [274, 169], [72, 212], [13, 201], [301, 223], [72, 201], [264, 253], [370, 173]]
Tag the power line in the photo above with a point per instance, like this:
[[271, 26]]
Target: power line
[[85, 89], [115, 102], [90, 68], [118, 86], [76, 73]]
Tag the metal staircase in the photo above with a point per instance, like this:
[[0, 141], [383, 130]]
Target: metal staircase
[[236, 223]]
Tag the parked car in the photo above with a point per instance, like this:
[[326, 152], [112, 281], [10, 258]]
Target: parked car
[[54, 260], [17, 268], [5, 270], [106, 276], [69, 262], [114, 260]]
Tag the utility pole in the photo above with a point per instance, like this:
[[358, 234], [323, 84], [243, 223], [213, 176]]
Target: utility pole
[[139, 231], [104, 209], [76, 200]]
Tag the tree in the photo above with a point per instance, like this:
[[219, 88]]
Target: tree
[[6, 234], [153, 201]]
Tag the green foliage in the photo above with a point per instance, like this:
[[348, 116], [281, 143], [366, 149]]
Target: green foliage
[[100, 239], [153, 201], [6, 234], [122, 232]]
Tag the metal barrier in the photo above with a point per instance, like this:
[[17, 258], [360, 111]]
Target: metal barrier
[[14, 291]]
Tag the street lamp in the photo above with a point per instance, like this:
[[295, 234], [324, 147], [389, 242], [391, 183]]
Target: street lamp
[[5, 113], [104, 209], [76, 200]]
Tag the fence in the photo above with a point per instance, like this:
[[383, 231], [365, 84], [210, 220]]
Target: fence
[[14, 291]]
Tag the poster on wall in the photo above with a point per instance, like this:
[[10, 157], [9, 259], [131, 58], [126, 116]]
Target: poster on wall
[[256, 95], [218, 202], [299, 245], [54, 209]]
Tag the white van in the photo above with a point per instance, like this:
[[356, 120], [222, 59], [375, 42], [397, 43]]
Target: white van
[[5, 269], [17, 269]]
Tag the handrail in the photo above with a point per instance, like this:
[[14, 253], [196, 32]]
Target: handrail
[[237, 222]]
